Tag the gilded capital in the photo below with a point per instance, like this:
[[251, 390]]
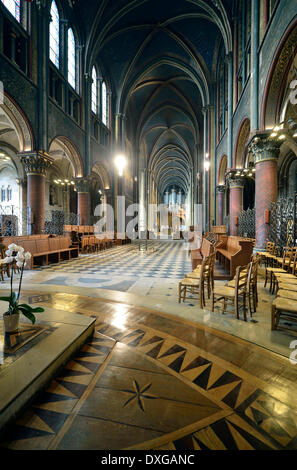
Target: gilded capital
[[264, 148], [221, 189], [236, 182], [82, 185], [36, 163]]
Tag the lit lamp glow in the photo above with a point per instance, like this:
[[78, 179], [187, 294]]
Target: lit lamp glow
[[120, 162], [207, 162]]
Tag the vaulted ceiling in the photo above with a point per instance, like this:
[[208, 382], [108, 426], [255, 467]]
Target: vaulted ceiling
[[160, 59]]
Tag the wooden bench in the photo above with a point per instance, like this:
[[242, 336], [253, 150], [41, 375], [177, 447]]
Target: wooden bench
[[49, 250], [234, 252]]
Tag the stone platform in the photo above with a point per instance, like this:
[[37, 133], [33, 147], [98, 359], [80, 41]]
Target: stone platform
[[30, 358]]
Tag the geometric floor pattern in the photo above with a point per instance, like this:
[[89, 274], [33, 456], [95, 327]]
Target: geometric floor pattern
[[162, 260], [146, 381]]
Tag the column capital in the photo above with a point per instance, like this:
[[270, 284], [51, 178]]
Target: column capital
[[88, 78], [120, 116], [207, 107], [234, 180], [221, 189], [82, 185], [264, 148], [36, 163]]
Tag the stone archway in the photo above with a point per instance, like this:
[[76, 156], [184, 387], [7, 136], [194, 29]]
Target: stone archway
[[17, 121], [241, 144], [276, 84]]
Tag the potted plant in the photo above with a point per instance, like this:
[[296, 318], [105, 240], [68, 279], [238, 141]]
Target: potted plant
[[16, 255]]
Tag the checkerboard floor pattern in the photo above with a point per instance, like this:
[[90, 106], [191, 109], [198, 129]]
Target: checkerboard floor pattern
[[162, 260]]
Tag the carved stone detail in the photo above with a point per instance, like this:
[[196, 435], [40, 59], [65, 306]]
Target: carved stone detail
[[236, 182], [264, 148], [221, 189], [36, 162], [82, 185]]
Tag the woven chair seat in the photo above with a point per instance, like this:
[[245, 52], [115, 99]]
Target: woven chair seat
[[288, 305], [189, 282], [287, 294], [193, 275], [225, 291]]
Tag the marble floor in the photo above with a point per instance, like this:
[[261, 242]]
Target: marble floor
[[150, 380], [150, 279], [124, 269]]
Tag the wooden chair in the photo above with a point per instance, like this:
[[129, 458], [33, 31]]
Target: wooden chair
[[285, 276], [208, 273], [197, 285], [233, 294], [283, 307], [268, 254], [283, 268], [252, 284]]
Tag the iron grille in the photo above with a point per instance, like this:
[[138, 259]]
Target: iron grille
[[246, 223], [283, 222]]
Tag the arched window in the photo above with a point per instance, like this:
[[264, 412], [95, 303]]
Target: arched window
[[71, 58], [14, 6], [55, 35], [94, 91], [104, 104], [9, 193]]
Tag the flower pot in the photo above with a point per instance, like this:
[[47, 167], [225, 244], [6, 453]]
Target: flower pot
[[11, 322]]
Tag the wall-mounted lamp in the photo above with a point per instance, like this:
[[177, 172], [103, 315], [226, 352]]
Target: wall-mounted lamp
[[207, 162]]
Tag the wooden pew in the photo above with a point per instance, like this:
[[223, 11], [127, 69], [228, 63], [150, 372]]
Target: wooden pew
[[207, 248], [234, 252], [49, 250]]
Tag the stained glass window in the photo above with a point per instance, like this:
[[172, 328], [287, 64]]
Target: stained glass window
[[14, 6], [104, 104], [55, 35], [71, 59], [94, 91]]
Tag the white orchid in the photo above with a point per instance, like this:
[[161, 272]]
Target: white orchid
[[20, 258], [17, 254], [13, 247]]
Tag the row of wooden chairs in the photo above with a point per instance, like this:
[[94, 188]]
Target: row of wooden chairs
[[284, 304], [283, 282], [242, 290], [287, 265], [92, 244]]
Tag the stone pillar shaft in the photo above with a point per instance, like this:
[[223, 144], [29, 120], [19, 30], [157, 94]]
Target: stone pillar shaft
[[36, 201], [266, 152], [83, 208], [83, 200], [236, 203], [221, 204], [36, 164]]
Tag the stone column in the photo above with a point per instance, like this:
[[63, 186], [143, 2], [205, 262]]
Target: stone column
[[36, 164], [255, 24], [236, 202], [229, 59], [266, 152], [83, 200], [221, 203]]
